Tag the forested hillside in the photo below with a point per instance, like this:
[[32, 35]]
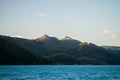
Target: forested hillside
[[50, 50], [13, 54]]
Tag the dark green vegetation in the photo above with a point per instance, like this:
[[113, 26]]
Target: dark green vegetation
[[13, 54], [50, 50]]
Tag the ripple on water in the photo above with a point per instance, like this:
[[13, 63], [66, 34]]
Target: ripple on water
[[60, 73]]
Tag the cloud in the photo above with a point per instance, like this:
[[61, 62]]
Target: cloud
[[110, 33], [114, 35], [107, 31], [41, 14]]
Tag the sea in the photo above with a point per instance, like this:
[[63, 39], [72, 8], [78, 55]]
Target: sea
[[60, 72]]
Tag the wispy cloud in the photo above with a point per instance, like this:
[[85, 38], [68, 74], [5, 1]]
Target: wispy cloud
[[41, 14], [110, 33], [107, 31], [114, 35]]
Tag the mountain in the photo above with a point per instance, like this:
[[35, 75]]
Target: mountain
[[113, 50], [45, 38], [66, 50], [69, 43], [50, 44], [94, 54], [30, 45], [12, 54], [45, 44]]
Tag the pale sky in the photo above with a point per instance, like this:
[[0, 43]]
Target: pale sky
[[96, 21]]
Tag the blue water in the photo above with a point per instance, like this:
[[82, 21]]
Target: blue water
[[68, 72]]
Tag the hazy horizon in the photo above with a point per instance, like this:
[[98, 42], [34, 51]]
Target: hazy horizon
[[95, 21]]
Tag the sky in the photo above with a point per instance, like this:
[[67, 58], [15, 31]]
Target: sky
[[95, 21]]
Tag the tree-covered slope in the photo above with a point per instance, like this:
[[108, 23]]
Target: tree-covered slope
[[54, 51], [13, 54], [92, 54]]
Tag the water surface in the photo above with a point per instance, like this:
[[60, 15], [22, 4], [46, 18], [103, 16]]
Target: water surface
[[60, 72]]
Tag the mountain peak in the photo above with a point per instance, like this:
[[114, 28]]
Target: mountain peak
[[44, 37]]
